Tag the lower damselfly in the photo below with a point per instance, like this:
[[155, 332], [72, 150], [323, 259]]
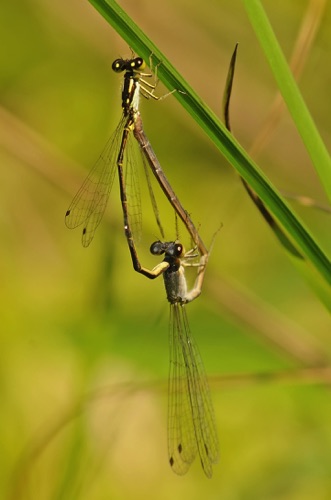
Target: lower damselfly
[[191, 421]]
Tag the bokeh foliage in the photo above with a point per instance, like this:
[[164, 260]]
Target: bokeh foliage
[[84, 353]]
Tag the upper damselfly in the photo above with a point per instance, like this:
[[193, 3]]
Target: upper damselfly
[[88, 206]]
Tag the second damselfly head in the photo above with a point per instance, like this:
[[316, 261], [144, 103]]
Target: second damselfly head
[[89, 204], [170, 248]]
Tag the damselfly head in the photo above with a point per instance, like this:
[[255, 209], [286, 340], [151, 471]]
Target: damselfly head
[[170, 248], [135, 64]]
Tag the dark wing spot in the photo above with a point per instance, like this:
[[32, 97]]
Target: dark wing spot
[[171, 461], [68, 213], [180, 448], [84, 230]]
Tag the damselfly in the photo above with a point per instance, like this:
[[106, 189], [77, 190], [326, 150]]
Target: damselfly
[[89, 204], [191, 421]]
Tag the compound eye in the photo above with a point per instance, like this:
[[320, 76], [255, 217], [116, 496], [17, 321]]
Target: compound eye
[[118, 65], [157, 248], [138, 63], [179, 249]]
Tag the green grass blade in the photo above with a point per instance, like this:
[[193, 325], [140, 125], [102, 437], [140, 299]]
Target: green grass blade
[[290, 92], [217, 132]]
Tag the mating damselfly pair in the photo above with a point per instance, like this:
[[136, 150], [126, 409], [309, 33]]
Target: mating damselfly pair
[[191, 422]]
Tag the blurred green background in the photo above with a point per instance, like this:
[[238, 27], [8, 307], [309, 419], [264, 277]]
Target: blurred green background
[[84, 347]]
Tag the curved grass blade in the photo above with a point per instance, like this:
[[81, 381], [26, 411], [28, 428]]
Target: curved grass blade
[[266, 214]]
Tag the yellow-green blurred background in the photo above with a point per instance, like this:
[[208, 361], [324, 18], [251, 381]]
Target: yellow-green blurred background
[[84, 347]]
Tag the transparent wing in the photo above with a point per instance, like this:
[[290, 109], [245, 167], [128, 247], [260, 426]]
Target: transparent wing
[[132, 186], [152, 196], [89, 204], [191, 421]]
